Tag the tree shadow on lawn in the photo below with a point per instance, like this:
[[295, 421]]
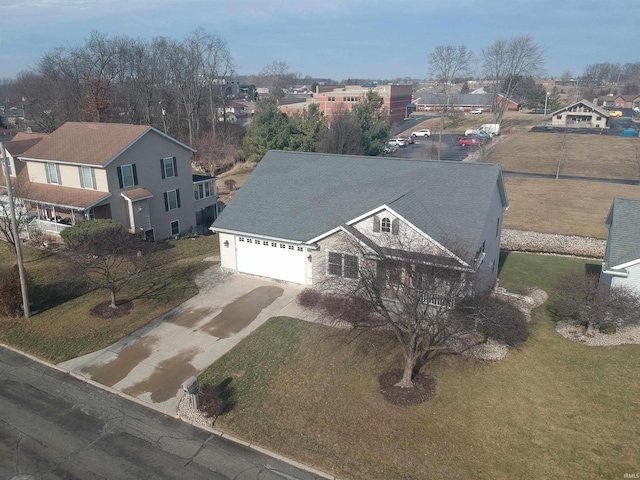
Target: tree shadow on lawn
[[45, 297]]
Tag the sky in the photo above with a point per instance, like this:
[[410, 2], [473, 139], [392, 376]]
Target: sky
[[337, 39]]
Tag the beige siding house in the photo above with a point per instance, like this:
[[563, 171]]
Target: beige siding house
[[133, 174], [582, 114]]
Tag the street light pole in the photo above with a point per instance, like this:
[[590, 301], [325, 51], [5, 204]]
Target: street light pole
[[546, 97], [16, 235]]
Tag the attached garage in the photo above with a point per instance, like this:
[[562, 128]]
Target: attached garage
[[266, 258]]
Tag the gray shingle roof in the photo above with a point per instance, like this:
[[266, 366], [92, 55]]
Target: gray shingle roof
[[624, 231], [300, 196]]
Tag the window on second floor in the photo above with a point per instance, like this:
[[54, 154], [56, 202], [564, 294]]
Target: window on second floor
[[171, 200], [53, 173], [87, 177], [169, 167], [127, 176], [203, 190]]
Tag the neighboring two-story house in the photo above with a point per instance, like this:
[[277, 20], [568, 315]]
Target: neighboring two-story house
[[133, 174], [296, 215]]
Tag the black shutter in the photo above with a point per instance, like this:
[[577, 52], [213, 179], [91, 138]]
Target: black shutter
[[135, 174], [120, 176], [395, 226], [178, 196], [166, 202], [162, 168], [376, 223], [175, 167]]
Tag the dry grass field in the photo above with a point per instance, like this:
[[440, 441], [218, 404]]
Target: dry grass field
[[584, 155], [569, 207]]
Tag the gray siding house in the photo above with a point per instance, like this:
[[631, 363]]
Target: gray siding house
[[133, 174], [291, 218], [621, 265]]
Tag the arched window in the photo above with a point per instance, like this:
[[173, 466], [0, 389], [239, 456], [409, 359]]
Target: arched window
[[385, 225]]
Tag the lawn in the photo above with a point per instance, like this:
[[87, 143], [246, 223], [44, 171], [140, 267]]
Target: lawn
[[61, 326], [552, 409]]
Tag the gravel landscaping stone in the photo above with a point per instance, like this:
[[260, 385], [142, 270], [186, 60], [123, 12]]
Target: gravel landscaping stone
[[534, 242]]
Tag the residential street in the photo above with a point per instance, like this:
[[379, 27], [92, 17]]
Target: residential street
[[54, 426]]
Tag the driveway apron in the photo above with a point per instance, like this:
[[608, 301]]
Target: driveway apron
[[152, 363]]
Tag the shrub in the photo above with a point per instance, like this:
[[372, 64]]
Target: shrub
[[309, 298], [608, 328], [211, 404]]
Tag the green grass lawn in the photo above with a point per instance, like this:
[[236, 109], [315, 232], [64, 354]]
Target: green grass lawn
[[61, 326], [552, 409]]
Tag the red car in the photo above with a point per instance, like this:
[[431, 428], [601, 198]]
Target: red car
[[469, 142]]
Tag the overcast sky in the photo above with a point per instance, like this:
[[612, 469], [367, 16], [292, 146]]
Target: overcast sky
[[378, 39]]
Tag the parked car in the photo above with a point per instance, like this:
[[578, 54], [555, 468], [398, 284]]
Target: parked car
[[390, 149], [408, 140], [636, 109], [398, 142], [471, 132], [425, 132], [615, 113], [469, 142], [476, 111]]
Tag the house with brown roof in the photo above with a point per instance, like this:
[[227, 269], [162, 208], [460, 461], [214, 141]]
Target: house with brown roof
[[134, 174], [619, 101]]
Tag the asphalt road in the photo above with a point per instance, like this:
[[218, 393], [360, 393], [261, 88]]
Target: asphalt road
[[55, 426]]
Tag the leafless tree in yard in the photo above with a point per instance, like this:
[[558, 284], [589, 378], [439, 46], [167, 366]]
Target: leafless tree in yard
[[405, 286], [446, 64], [341, 135], [220, 150], [505, 63], [110, 256], [583, 298]]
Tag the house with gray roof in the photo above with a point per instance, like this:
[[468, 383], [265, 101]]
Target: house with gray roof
[[290, 219], [621, 265]]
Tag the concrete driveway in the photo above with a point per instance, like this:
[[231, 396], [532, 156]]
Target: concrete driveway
[[152, 363]]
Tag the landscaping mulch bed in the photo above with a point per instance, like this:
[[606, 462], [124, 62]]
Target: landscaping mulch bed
[[424, 389], [105, 311]]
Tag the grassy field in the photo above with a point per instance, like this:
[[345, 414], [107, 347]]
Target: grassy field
[[569, 207], [552, 409], [61, 326]]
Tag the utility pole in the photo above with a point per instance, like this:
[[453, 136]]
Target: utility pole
[[16, 235]]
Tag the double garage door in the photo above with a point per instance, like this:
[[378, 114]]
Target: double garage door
[[271, 259]]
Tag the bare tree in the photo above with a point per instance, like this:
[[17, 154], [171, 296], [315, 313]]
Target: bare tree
[[583, 298], [507, 62], [112, 257], [403, 286], [446, 64], [220, 150], [277, 77], [341, 135]]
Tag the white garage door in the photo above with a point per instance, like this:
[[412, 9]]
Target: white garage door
[[271, 259]]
